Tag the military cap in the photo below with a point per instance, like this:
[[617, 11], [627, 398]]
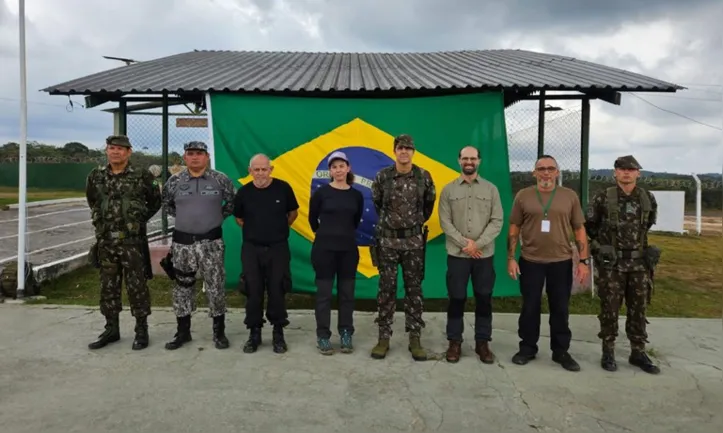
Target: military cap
[[118, 140], [403, 140], [195, 145], [627, 162]]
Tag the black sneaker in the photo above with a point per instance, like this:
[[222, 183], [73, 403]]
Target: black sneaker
[[522, 358], [567, 362]]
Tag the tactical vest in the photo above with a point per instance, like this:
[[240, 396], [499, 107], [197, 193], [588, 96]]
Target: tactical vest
[[613, 213], [389, 185], [129, 208], [9, 280]]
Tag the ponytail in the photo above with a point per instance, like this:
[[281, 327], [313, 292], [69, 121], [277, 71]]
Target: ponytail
[[350, 178]]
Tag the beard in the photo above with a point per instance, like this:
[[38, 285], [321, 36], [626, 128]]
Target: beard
[[469, 169], [547, 183]]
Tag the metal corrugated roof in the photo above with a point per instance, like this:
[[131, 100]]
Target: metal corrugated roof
[[254, 71]]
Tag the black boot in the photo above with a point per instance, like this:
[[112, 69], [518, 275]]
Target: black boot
[[278, 341], [141, 340], [219, 326], [183, 333], [110, 335], [254, 341], [607, 362], [640, 359]]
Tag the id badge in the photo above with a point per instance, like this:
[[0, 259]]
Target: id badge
[[545, 226]]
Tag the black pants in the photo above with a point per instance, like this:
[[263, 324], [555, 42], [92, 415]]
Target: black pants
[[266, 271], [329, 264], [557, 277], [482, 273]]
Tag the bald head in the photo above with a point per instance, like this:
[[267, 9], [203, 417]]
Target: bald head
[[259, 159]]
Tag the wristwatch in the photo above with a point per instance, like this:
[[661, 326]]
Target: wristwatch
[[585, 261]]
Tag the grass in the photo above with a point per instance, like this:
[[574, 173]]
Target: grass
[[688, 284], [9, 195]]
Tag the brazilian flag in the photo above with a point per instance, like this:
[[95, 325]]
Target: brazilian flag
[[298, 133]]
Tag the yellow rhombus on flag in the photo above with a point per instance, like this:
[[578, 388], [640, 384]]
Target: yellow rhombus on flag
[[369, 150]]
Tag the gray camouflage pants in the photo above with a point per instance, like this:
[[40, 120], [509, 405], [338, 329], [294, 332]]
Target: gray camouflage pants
[[204, 257]]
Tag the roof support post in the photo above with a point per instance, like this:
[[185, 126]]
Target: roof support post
[[164, 153], [123, 117], [541, 125], [585, 152]]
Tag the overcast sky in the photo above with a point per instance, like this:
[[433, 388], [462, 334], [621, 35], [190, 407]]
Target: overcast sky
[[671, 40]]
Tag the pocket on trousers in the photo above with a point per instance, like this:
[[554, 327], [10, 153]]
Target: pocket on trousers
[[286, 282], [242, 285]]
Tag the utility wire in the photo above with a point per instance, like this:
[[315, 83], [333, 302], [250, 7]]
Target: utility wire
[[677, 114]]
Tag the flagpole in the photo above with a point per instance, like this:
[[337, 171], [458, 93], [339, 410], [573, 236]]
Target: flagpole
[[22, 160]]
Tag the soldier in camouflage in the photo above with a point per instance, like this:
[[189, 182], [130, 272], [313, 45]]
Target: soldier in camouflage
[[200, 199], [122, 199], [404, 196], [618, 220]]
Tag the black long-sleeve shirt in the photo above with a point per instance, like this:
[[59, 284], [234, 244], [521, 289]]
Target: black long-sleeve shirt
[[334, 215]]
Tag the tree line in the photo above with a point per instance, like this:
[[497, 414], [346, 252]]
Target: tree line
[[712, 194]]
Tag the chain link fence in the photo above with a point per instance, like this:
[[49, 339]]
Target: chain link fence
[[562, 140], [145, 129]]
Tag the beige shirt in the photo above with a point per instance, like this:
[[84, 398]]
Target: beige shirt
[[470, 211]]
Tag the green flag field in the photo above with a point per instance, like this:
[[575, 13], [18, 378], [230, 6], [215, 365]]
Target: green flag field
[[299, 133]]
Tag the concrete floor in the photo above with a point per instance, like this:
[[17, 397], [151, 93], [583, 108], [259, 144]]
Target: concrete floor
[[52, 383]]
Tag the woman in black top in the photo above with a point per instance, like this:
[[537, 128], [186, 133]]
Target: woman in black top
[[335, 210]]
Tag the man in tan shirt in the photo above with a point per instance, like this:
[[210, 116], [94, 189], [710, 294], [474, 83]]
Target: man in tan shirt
[[545, 218], [470, 214]]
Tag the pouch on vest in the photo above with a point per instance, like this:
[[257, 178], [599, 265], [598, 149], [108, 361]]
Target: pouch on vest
[[607, 257]]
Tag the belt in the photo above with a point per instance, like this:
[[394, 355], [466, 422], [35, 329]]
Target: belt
[[122, 235], [630, 254], [263, 244], [190, 238], [401, 233]]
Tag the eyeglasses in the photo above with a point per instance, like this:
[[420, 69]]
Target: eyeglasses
[[550, 169]]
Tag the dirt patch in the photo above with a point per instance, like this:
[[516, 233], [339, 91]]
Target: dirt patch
[[709, 224]]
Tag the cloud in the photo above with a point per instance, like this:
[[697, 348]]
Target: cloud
[[670, 40]]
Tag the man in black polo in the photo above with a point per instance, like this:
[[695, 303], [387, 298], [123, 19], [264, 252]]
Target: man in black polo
[[265, 208]]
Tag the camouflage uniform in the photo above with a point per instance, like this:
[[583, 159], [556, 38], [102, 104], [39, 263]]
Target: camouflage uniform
[[403, 209], [620, 260], [199, 206], [121, 205]]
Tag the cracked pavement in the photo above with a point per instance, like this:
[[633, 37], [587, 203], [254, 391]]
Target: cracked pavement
[[51, 382]]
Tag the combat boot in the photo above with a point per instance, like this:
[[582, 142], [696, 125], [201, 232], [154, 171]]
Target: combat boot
[[640, 359], [141, 339], [110, 335], [254, 341], [183, 333], [415, 346], [380, 350], [607, 361], [278, 340], [219, 335]]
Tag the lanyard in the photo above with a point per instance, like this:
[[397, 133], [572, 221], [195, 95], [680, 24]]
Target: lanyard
[[546, 207]]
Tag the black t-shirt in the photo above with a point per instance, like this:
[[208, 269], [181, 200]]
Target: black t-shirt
[[334, 215], [265, 211]]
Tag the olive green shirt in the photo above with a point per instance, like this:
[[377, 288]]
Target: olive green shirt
[[470, 211]]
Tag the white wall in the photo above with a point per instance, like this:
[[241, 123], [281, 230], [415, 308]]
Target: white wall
[[671, 211]]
